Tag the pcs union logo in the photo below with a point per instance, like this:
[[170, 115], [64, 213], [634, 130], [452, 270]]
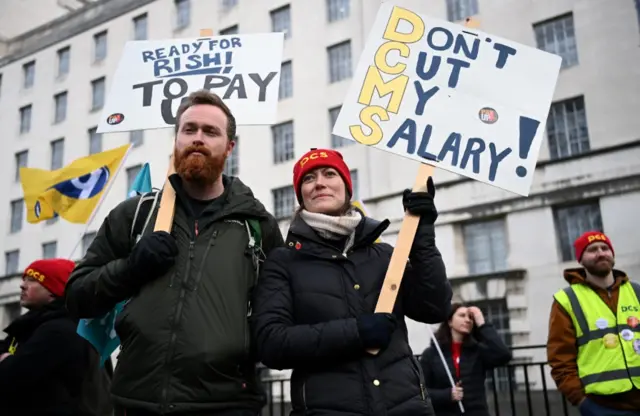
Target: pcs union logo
[[488, 115], [86, 186], [114, 119]]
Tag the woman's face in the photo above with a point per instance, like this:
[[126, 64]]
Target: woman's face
[[461, 321], [323, 191]]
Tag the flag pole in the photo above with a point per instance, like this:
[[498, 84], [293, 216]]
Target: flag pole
[[99, 204]]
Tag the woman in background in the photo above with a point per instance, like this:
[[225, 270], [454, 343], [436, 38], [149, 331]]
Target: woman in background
[[470, 347]]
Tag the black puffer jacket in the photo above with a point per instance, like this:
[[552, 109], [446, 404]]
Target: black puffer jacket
[[477, 357], [49, 371], [305, 307]]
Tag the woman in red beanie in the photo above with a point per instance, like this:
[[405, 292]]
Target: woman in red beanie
[[313, 307]]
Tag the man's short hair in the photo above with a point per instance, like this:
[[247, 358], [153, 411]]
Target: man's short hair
[[204, 97]]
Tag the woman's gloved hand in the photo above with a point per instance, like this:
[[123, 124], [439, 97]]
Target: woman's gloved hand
[[421, 203], [375, 330]]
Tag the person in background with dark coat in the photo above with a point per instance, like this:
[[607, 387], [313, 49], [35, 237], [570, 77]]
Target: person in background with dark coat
[[314, 302], [471, 346], [44, 363]]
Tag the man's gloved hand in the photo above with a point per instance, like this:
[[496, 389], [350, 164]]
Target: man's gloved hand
[[421, 203], [375, 330], [152, 256]]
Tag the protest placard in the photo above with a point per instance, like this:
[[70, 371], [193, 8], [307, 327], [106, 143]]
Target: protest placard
[[153, 76], [451, 96]]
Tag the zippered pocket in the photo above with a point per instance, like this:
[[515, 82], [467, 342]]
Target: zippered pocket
[[418, 373]]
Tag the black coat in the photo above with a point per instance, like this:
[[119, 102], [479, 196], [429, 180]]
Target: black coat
[[304, 318], [478, 356], [49, 371]]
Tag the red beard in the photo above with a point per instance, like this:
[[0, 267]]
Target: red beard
[[200, 169]]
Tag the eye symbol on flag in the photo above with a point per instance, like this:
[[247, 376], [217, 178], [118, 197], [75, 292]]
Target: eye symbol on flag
[[37, 209], [86, 186]]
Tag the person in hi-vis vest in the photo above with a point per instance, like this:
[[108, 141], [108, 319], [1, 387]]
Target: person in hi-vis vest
[[594, 333]]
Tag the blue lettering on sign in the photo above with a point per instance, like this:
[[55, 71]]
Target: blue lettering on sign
[[203, 57]]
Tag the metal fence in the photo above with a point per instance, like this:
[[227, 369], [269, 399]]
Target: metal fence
[[521, 388]]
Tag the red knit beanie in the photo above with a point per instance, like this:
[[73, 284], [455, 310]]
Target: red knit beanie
[[582, 242], [316, 158], [51, 273]]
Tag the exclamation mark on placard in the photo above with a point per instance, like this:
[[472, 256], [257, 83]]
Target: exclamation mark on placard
[[227, 62], [528, 129]]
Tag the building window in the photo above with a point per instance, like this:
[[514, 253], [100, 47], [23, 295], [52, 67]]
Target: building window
[[50, 250], [183, 13], [337, 10], [28, 74], [22, 158], [132, 173], [284, 202], [281, 21], [95, 141], [64, 56], [61, 107], [337, 141], [25, 119], [52, 220], [283, 143], [232, 165], [12, 311], [355, 184], [87, 239], [140, 27], [17, 208], [286, 81], [57, 154], [567, 130], [461, 9], [572, 221], [231, 30], [339, 61], [11, 262], [136, 138], [558, 37], [485, 245], [99, 46], [229, 4], [0, 85], [497, 312], [97, 94]]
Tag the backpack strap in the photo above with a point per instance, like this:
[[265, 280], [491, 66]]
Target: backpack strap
[[136, 228]]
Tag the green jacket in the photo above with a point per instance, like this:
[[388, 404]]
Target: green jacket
[[184, 337]]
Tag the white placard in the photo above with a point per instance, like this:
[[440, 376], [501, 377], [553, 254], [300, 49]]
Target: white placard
[[154, 75], [457, 98]]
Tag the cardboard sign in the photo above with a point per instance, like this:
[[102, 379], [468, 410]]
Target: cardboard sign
[[154, 75], [450, 96]]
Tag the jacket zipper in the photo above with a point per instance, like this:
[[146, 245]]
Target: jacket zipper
[[176, 318], [304, 395]]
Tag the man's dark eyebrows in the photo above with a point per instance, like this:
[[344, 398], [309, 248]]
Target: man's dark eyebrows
[[205, 127]]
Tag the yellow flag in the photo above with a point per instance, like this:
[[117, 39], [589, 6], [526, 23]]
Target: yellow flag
[[74, 191], [360, 206]]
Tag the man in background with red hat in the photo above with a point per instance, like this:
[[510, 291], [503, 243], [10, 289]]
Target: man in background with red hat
[[46, 368], [594, 334]]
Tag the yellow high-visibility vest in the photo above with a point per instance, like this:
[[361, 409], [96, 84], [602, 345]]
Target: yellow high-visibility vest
[[608, 344]]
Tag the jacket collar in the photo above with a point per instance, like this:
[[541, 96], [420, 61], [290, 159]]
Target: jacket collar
[[303, 238], [23, 326]]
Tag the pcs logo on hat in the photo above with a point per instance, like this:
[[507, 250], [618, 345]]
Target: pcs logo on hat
[[596, 237], [35, 275], [313, 156]]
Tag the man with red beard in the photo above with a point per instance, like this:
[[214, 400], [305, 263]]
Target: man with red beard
[[185, 346], [594, 338]]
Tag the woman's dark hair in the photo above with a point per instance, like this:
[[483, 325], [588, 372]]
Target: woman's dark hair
[[443, 334]]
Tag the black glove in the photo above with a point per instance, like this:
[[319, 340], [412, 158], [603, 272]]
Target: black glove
[[152, 256], [375, 330], [421, 203]]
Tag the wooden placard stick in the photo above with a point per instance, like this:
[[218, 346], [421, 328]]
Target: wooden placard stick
[[398, 262], [164, 220]]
